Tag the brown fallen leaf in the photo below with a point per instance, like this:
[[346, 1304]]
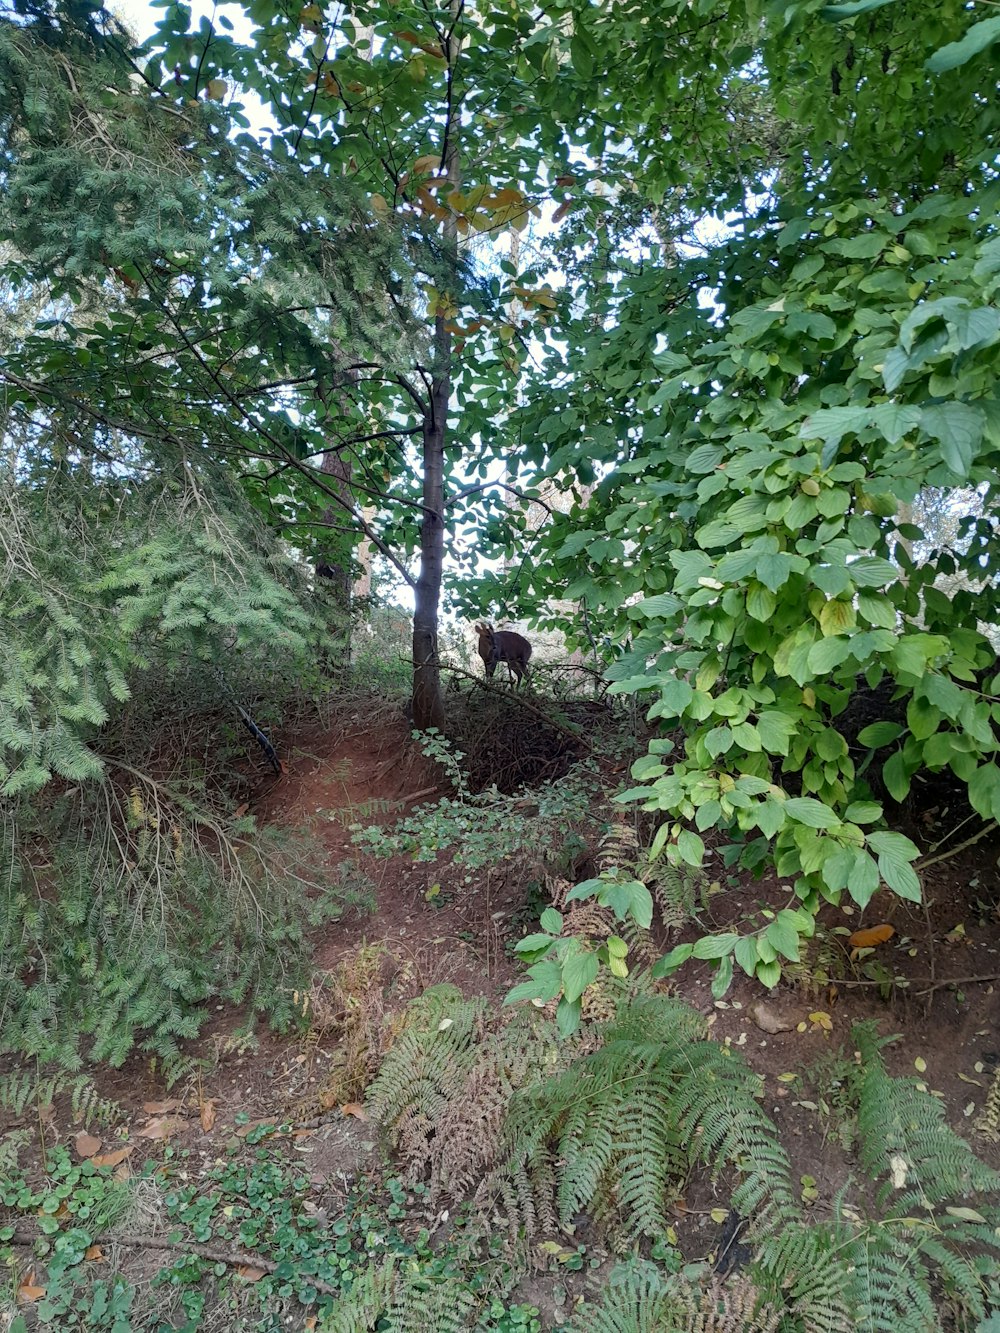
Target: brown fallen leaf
[[207, 1115], [241, 810], [355, 1109], [85, 1144], [867, 939], [163, 1127], [251, 1274], [160, 1108], [768, 1019], [94, 1252], [113, 1158], [28, 1291]]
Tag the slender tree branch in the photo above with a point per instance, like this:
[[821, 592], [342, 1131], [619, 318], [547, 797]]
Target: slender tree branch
[[486, 485]]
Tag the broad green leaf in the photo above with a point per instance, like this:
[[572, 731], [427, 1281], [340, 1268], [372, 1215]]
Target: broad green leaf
[[568, 1014], [775, 731], [959, 430], [668, 965], [579, 970], [631, 898], [896, 777], [978, 38], [691, 848], [877, 734], [863, 812], [714, 946], [783, 938], [814, 814], [871, 571], [663, 604], [984, 791], [769, 974], [745, 953], [723, 978], [863, 879], [552, 921], [837, 618]]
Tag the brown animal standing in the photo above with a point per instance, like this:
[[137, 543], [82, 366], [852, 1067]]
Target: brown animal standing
[[503, 646]]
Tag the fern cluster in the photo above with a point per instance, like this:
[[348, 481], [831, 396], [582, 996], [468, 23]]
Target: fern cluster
[[613, 1123], [397, 1299], [618, 1132]]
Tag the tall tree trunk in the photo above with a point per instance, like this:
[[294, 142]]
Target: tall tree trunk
[[428, 700]]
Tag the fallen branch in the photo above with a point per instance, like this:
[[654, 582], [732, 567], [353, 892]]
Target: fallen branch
[[23, 1237], [575, 733], [929, 983]]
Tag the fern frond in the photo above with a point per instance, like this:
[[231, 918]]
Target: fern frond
[[394, 1299]]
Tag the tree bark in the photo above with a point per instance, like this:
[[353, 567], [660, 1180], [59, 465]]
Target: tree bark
[[428, 699]]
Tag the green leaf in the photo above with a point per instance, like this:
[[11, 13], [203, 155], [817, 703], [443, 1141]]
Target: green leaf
[[837, 13], [984, 791], [863, 879], [769, 974], [691, 848], [814, 814], [668, 965], [531, 943], [745, 953], [871, 571], [714, 946], [761, 602], [837, 618], [978, 38], [545, 983], [579, 970], [863, 812], [783, 938], [959, 430], [723, 978], [896, 777], [827, 654], [568, 1017], [630, 898], [900, 876], [775, 731], [675, 694], [664, 604], [877, 734], [552, 921]]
